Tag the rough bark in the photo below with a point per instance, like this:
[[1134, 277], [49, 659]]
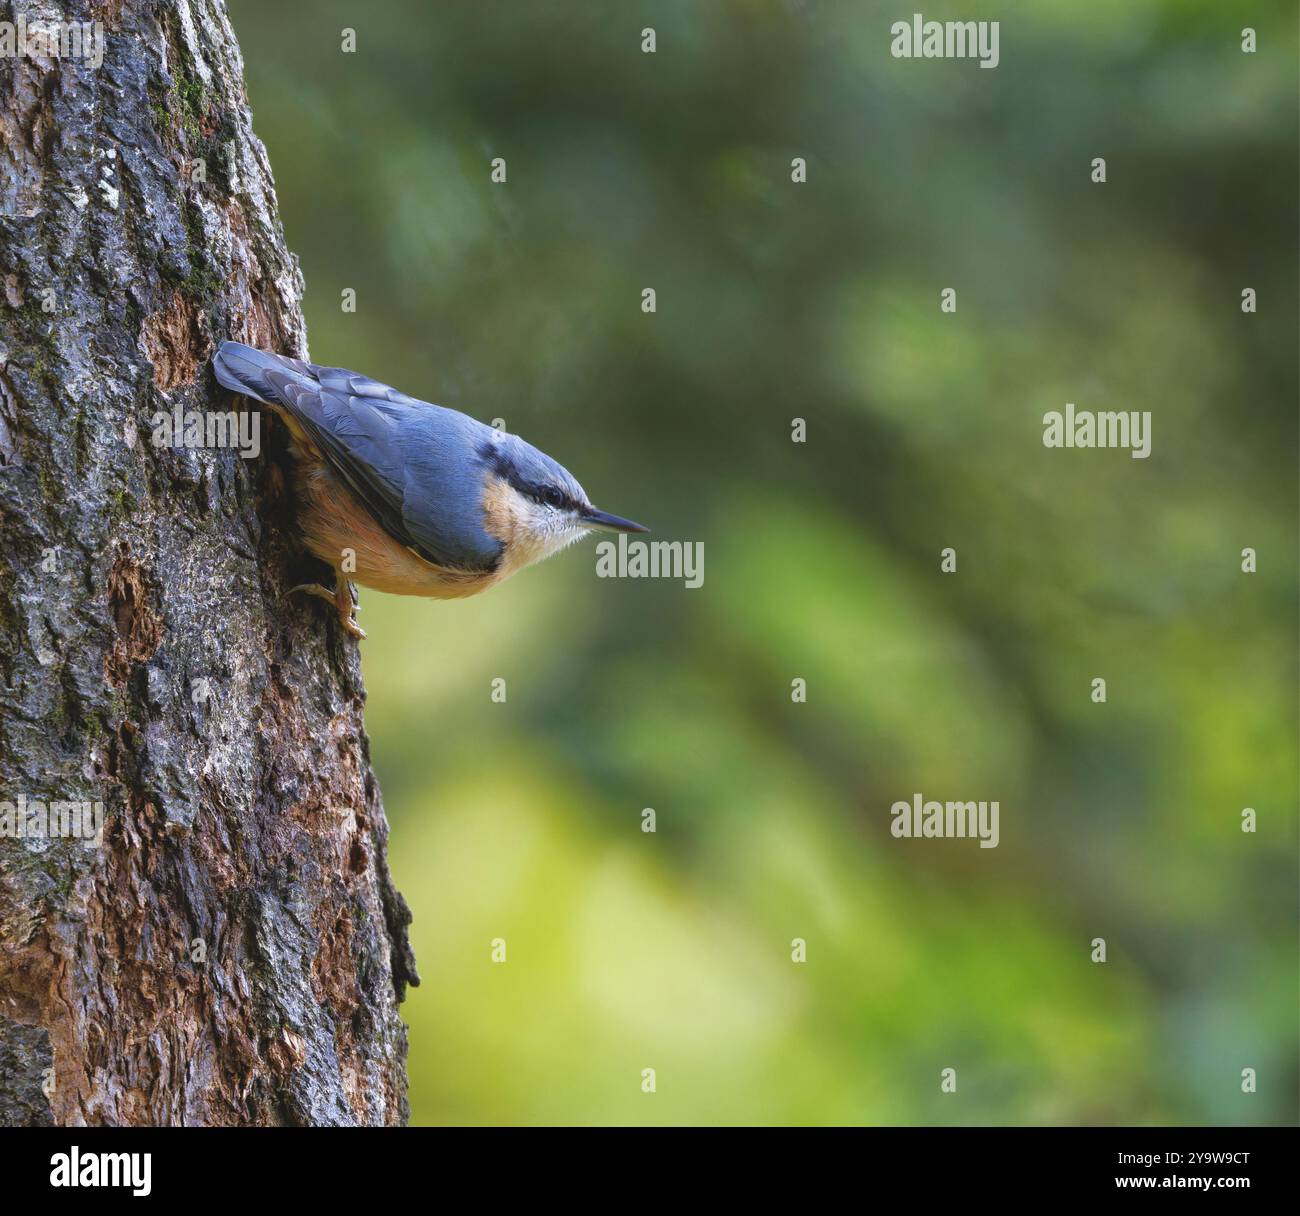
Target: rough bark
[[233, 951]]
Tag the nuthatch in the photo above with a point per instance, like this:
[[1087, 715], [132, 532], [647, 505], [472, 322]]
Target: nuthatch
[[424, 500]]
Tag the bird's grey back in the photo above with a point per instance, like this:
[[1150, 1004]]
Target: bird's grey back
[[417, 466]]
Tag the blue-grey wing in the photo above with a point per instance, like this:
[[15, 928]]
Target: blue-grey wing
[[412, 464]]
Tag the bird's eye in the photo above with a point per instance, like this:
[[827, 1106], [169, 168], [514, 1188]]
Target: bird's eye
[[553, 497]]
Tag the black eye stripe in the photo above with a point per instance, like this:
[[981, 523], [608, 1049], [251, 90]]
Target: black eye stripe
[[549, 495]]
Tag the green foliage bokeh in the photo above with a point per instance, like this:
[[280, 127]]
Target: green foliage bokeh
[[778, 300]]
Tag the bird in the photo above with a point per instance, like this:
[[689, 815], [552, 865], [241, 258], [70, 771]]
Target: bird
[[406, 496]]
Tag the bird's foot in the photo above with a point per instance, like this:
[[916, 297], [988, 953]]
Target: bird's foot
[[345, 600], [342, 599]]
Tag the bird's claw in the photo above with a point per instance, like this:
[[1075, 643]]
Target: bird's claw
[[342, 599]]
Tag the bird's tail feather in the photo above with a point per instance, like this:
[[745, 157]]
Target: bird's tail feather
[[242, 369]]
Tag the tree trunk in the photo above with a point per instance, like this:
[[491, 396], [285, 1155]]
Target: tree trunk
[[232, 950]]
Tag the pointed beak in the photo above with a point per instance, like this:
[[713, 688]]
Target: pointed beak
[[606, 522]]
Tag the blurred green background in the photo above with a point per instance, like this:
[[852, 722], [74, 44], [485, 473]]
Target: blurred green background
[[778, 300]]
